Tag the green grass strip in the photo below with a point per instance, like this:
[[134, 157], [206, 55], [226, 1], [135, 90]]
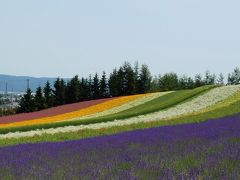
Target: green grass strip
[[157, 104]]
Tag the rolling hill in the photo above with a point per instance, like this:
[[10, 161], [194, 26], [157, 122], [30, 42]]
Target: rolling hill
[[187, 134], [19, 83], [162, 107]]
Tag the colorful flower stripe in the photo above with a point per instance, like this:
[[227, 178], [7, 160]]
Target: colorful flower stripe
[[208, 99], [83, 112], [199, 103], [142, 100], [52, 111]]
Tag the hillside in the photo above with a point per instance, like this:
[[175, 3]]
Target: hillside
[[184, 134], [121, 111], [19, 83]]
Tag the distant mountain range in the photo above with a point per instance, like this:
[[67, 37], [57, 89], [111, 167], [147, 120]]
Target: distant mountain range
[[19, 83]]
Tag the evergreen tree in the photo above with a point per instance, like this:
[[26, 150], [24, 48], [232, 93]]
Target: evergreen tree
[[190, 83], [128, 79], [120, 82], [84, 94], [90, 87], [48, 95], [210, 79], [27, 103], [220, 79], [198, 81], [136, 76], [169, 82], [234, 77], [73, 90], [59, 92], [103, 86], [113, 83], [96, 87], [183, 82], [144, 79], [39, 99]]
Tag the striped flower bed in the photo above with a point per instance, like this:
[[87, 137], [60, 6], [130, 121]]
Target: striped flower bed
[[76, 114], [206, 100], [142, 100], [52, 111]]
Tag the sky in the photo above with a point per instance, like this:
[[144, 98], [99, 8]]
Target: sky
[[63, 38]]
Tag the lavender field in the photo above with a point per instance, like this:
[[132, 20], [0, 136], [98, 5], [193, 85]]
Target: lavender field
[[209, 149]]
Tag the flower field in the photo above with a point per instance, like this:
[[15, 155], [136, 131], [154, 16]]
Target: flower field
[[51, 111], [157, 102], [139, 101], [200, 103], [208, 150], [199, 139], [78, 113]]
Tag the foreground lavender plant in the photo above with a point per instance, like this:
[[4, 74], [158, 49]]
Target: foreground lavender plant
[[206, 150]]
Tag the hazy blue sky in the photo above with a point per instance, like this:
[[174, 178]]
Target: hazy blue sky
[[64, 38]]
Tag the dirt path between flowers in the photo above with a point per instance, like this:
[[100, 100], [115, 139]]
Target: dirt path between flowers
[[51, 111]]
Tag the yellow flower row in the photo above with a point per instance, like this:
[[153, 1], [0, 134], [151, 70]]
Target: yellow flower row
[[76, 114]]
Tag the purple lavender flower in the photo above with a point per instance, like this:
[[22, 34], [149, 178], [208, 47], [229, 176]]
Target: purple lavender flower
[[209, 149]]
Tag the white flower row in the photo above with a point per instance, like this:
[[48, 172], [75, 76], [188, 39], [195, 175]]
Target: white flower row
[[201, 102], [142, 100]]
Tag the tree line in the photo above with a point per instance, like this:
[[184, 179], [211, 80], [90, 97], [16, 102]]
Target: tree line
[[125, 80]]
